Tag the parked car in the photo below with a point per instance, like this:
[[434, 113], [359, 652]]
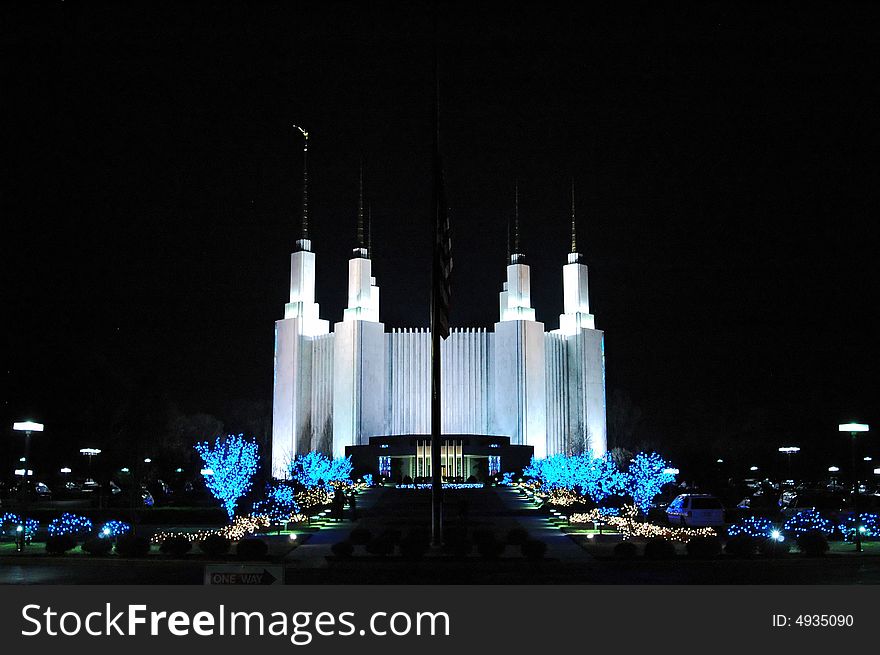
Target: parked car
[[695, 511], [832, 506]]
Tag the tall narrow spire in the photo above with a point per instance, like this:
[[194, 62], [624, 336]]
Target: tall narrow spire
[[369, 229], [360, 223], [516, 218], [573, 223], [305, 201], [507, 222]]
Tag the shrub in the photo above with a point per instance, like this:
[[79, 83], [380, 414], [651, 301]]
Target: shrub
[[812, 543], [742, 545], [414, 546], [393, 535], [214, 545], [131, 546], [70, 524], [342, 548], [58, 544], [382, 546], [703, 547], [533, 549], [490, 548], [772, 547], [626, 550], [517, 537], [250, 549], [659, 549], [482, 535], [176, 546], [97, 547], [360, 536]]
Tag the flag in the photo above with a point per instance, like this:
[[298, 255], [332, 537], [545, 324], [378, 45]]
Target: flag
[[442, 271]]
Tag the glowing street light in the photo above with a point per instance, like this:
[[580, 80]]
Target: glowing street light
[[854, 429], [66, 470], [753, 468], [833, 469], [90, 452], [789, 451], [147, 460], [27, 427]]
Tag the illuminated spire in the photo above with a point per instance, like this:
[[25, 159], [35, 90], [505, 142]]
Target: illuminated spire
[[305, 203], [516, 219], [360, 222], [369, 229], [573, 224]]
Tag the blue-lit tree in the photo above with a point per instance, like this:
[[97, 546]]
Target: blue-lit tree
[[869, 526], [12, 524], [809, 520], [70, 524], [113, 529], [602, 478], [753, 526], [645, 477], [279, 503], [596, 477], [233, 462], [314, 469]]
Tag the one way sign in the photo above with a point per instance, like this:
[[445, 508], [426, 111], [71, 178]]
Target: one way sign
[[225, 574]]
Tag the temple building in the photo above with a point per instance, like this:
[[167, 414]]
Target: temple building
[[510, 392]]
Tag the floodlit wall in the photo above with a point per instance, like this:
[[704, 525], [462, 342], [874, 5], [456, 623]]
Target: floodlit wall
[[557, 376]]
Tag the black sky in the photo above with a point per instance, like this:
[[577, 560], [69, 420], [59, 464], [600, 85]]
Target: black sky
[[725, 158]]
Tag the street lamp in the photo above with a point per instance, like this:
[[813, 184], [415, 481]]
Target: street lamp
[[833, 469], [90, 452], [789, 451], [27, 427], [854, 429]]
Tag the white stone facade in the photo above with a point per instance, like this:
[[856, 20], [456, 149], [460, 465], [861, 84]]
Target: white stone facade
[[336, 389]]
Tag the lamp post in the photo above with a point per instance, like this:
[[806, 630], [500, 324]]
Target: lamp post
[[854, 429], [789, 451], [27, 427], [90, 452]]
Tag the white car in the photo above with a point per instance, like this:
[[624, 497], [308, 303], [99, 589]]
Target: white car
[[695, 511]]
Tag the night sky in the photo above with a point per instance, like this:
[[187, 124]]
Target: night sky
[[725, 159]]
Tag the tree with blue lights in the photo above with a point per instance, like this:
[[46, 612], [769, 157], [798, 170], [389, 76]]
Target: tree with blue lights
[[279, 504], [602, 478], [645, 477], [808, 520], [753, 526], [70, 524], [596, 477], [316, 469], [233, 461]]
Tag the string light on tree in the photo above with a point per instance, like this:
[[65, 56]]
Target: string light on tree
[[233, 462], [70, 524]]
